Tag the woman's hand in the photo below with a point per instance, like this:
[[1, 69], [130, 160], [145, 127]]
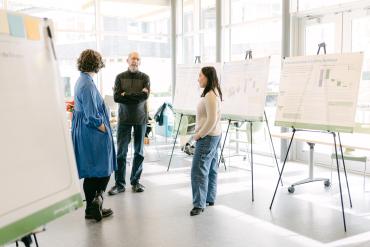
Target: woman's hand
[[196, 137], [102, 128], [123, 94], [145, 90]]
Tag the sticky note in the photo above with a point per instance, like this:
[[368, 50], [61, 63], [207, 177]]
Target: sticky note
[[16, 26], [4, 26], [32, 28]]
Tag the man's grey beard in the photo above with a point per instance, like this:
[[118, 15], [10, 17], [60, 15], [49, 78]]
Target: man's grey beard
[[133, 69]]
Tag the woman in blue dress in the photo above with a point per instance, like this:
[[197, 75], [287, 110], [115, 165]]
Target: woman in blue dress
[[92, 136]]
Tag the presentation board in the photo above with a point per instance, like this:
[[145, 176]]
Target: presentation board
[[38, 174], [244, 88], [319, 92], [187, 90]]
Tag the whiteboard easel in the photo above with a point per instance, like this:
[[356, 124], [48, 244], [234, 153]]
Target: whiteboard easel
[[245, 85], [36, 157], [319, 74]]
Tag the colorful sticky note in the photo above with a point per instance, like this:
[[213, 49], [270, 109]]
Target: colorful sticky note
[[16, 26], [32, 28], [4, 26]]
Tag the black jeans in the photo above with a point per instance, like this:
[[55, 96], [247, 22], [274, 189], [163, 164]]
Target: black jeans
[[92, 186], [123, 140]]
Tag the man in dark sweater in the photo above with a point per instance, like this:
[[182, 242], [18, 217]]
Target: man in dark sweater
[[131, 90]]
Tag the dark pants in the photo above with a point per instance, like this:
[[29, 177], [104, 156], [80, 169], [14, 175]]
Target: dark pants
[[92, 186], [123, 140]]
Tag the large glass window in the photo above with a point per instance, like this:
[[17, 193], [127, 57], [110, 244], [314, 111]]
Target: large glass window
[[248, 37], [208, 30], [208, 14], [115, 29], [319, 33], [188, 15], [74, 25], [197, 35], [251, 25], [244, 11], [360, 41], [188, 46], [306, 5], [255, 25], [130, 26], [186, 50], [344, 30]]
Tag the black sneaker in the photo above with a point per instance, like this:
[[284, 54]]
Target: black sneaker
[[104, 212], [138, 188], [196, 211], [116, 190], [210, 204]]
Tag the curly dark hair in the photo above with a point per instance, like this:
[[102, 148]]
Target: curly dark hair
[[90, 61]]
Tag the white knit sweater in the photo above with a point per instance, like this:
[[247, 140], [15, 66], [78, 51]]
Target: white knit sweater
[[208, 115]]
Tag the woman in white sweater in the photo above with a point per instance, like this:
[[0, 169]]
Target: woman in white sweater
[[207, 135]]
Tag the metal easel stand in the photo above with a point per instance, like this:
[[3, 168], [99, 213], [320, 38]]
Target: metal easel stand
[[338, 171]]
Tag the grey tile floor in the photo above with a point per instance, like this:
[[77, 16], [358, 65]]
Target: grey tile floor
[[160, 216]]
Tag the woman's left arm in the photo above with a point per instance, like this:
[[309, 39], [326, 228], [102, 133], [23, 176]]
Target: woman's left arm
[[90, 107]]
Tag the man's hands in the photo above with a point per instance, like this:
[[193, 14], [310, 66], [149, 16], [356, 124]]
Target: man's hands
[[145, 90]]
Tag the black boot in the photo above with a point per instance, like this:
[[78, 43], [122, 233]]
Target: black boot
[[96, 206], [105, 212]]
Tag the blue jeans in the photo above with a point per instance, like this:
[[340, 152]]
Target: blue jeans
[[123, 140], [204, 171]]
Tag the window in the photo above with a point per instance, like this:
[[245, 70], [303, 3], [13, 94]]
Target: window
[[123, 26], [197, 35], [255, 25], [208, 14], [188, 46], [74, 25], [208, 30], [319, 33], [344, 30], [360, 41], [248, 37], [306, 5], [243, 11], [188, 16], [208, 41], [129, 26], [251, 25], [242, 25]]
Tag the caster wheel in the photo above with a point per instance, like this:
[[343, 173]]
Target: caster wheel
[[291, 189], [222, 160], [327, 183]]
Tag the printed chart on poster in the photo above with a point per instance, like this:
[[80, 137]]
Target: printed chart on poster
[[187, 90], [244, 87], [319, 92], [37, 162]]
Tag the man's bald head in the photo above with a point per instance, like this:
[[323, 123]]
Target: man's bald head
[[133, 61]]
